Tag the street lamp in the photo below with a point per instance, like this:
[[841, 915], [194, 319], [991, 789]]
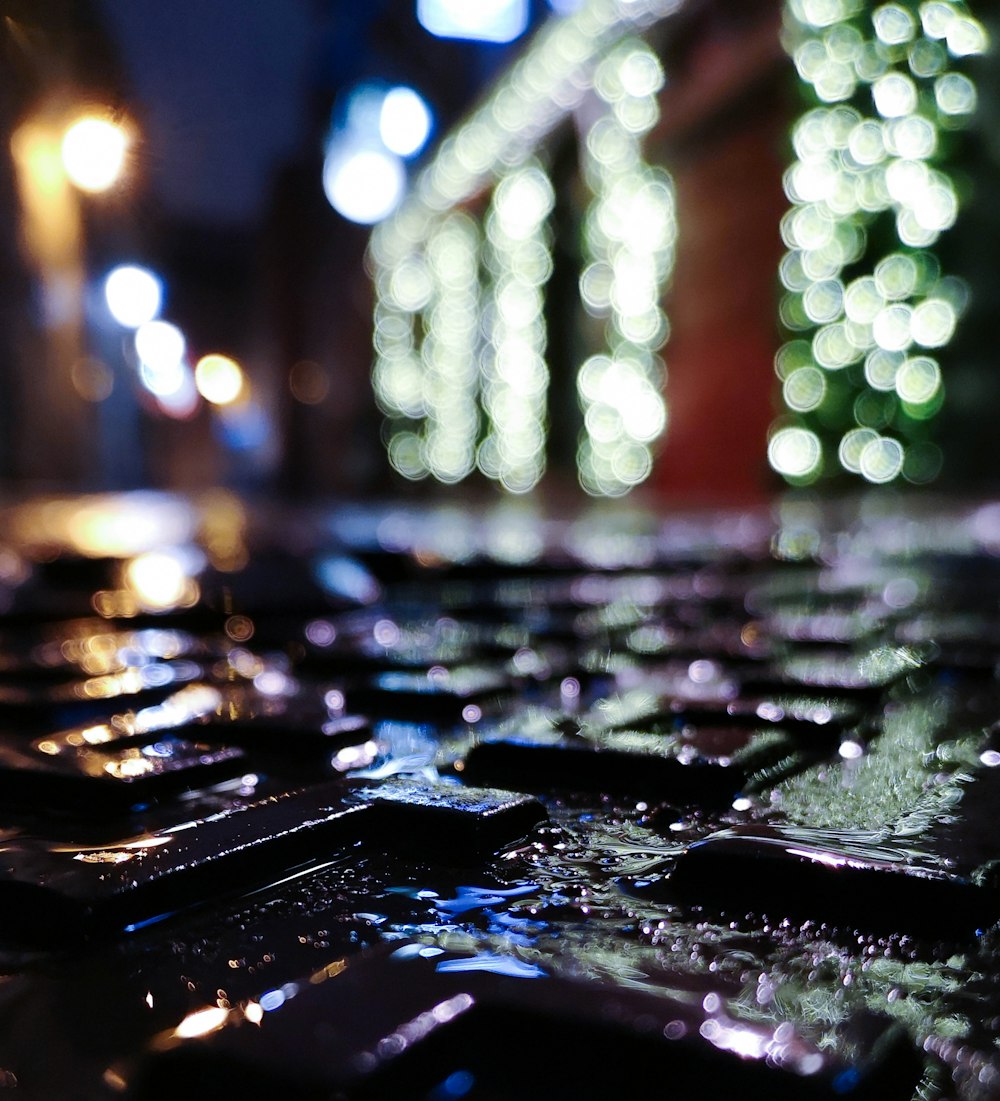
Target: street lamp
[[93, 152], [58, 155]]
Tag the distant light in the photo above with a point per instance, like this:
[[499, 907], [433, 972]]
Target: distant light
[[201, 1022], [163, 370], [133, 294], [159, 344], [363, 108], [177, 395], [476, 20], [404, 121], [219, 379], [955, 94], [92, 379], [363, 185], [309, 382], [93, 153], [852, 446], [895, 95], [245, 426], [795, 452], [918, 380], [158, 579], [881, 459], [342, 576], [273, 999], [163, 381]]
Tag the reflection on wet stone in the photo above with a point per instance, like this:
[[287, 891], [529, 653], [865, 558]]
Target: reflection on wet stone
[[526, 778]]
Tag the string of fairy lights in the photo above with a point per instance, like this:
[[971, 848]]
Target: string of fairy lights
[[629, 233], [866, 305], [459, 329], [460, 271], [514, 373]]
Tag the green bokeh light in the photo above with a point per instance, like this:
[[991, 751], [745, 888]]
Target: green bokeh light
[[871, 171]]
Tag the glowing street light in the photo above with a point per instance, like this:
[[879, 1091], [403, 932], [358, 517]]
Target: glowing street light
[[93, 152], [133, 294]]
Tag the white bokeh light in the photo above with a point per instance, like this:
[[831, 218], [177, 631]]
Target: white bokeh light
[[404, 121], [881, 460], [159, 344], [160, 347], [475, 20], [93, 153], [363, 185], [164, 381], [133, 295], [175, 391], [795, 452]]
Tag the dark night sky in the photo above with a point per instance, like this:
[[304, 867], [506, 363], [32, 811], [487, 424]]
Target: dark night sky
[[223, 89], [229, 90]]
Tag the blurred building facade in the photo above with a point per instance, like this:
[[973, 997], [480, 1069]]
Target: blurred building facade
[[554, 350]]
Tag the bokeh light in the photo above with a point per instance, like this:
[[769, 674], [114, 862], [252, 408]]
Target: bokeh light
[[460, 269], [363, 185], [160, 345], [871, 169], [245, 426], [404, 121], [309, 382], [881, 459], [133, 294], [92, 379], [795, 452], [93, 152], [475, 20], [918, 380], [515, 375], [175, 392], [161, 580], [629, 233], [219, 379], [161, 348]]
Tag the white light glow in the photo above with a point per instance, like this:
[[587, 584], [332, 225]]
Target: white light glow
[[160, 345], [882, 459], [201, 1022], [93, 153], [363, 185], [460, 324], [133, 295], [164, 381], [476, 20], [173, 387], [795, 452], [404, 122], [158, 579]]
